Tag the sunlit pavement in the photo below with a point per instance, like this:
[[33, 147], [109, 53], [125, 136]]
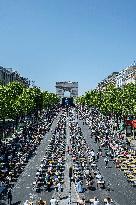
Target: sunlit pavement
[[119, 189], [23, 188]]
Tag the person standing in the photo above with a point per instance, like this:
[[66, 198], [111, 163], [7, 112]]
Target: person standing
[[59, 187], [100, 151], [97, 156], [79, 187], [9, 196], [106, 160]]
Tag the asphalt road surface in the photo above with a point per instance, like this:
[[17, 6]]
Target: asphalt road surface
[[24, 186], [119, 189]]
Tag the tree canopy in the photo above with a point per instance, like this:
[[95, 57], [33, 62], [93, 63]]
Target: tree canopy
[[17, 100], [112, 100]]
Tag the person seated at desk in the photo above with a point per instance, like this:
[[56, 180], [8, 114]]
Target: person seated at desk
[[94, 201], [41, 202], [26, 202], [108, 201], [99, 176], [81, 201]]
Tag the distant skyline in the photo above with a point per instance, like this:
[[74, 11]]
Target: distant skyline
[[67, 40]]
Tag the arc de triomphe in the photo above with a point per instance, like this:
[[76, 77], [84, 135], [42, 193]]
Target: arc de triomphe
[[72, 87]]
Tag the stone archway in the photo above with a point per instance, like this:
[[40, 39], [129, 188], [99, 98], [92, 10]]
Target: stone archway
[[72, 87]]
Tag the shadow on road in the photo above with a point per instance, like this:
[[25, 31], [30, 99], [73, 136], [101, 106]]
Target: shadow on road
[[16, 203]]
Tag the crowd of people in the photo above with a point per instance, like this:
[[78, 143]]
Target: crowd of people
[[105, 134], [50, 174], [15, 154], [112, 145], [86, 174]]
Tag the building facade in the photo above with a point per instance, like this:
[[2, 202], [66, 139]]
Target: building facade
[[7, 75], [130, 75], [111, 79], [126, 76], [119, 79]]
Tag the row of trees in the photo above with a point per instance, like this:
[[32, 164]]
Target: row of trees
[[17, 101], [117, 102]]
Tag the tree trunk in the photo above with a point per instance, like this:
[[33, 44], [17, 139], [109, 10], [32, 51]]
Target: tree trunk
[[16, 122], [3, 129], [117, 118]]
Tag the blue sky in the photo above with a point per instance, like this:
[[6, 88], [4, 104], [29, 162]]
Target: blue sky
[[62, 40]]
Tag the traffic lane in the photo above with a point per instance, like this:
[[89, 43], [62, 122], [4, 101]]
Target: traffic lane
[[23, 186], [121, 191]]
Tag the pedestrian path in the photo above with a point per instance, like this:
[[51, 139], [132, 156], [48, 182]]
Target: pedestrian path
[[69, 194]]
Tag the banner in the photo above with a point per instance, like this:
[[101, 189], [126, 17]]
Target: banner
[[131, 123]]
